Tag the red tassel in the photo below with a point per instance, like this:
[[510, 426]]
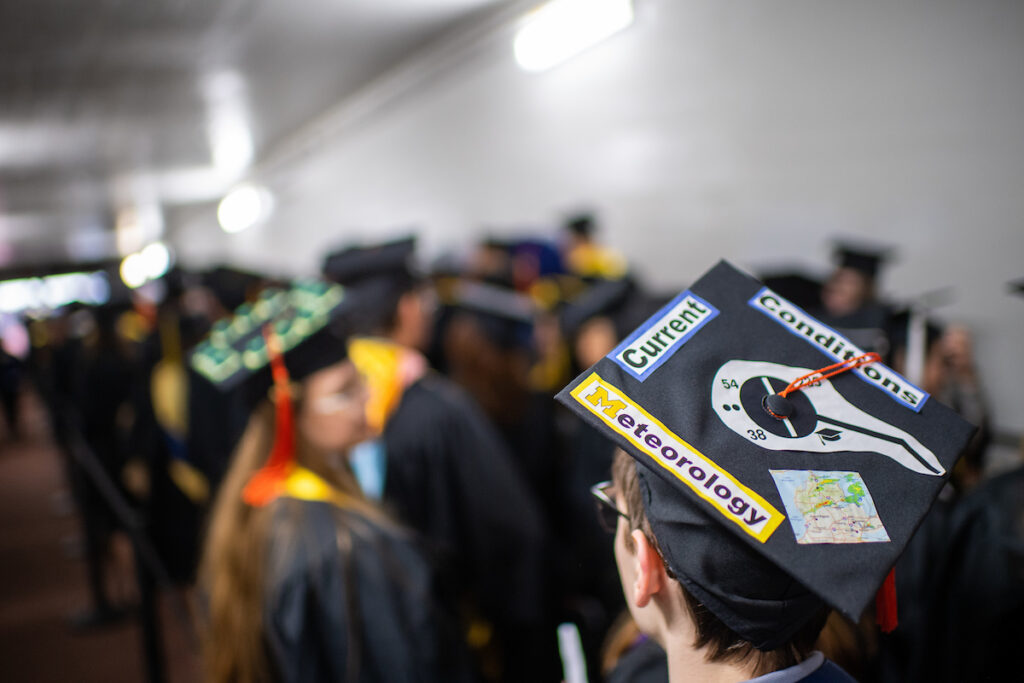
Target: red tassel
[[885, 604], [267, 483]]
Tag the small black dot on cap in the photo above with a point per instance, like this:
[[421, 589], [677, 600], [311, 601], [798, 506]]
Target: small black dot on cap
[[778, 406]]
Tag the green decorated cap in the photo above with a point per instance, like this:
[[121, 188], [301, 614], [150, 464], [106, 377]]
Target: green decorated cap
[[309, 319]]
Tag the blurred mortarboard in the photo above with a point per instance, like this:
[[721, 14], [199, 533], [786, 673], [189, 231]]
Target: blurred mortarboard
[[802, 289], [356, 264], [600, 298], [864, 258], [311, 320], [376, 276], [767, 517], [232, 286], [620, 300], [581, 224], [1017, 287], [493, 300], [505, 316]]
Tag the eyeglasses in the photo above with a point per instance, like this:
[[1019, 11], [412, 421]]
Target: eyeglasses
[[607, 512]]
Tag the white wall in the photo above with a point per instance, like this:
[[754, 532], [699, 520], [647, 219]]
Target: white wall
[[742, 129]]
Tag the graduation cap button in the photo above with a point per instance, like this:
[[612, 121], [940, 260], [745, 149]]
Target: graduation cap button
[[778, 406]]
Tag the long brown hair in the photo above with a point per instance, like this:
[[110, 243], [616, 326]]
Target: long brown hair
[[231, 572]]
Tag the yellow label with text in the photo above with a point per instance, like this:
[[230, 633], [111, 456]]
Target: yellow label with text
[[737, 503]]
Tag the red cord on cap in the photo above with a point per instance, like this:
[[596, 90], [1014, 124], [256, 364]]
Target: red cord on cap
[[823, 373], [830, 371], [267, 483], [885, 604]]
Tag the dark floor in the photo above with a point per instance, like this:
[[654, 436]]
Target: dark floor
[[42, 579]]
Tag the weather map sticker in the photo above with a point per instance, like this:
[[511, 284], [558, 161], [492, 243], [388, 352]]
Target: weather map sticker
[[829, 507], [821, 420]]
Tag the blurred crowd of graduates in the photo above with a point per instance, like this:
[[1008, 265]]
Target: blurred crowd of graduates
[[515, 319]]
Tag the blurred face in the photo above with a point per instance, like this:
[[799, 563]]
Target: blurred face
[[846, 291], [333, 416], [595, 340], [414, 318]]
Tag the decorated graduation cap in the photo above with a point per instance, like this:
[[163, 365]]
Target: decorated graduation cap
[[309, 321], [782, 469]]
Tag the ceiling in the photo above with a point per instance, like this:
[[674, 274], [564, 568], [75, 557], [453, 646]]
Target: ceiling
[[116, 112]]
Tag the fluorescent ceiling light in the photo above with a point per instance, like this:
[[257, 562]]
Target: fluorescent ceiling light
[[244, 207], [563, 28]]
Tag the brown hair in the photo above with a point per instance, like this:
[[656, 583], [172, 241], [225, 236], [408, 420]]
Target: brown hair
[[720, 643], [232, 569]]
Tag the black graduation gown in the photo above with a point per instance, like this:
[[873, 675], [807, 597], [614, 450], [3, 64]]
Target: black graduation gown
[[450, 476], [645, 662], [979, 607], [358, 607]]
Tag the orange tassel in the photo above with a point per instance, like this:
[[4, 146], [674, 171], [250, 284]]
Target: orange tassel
[[267, 483], [885, 604]]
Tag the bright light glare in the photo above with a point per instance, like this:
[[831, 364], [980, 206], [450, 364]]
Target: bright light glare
[[133, 270], [231, 141], [243, 207], [149, 264], [157, 259], [563, 28], [53, 291]]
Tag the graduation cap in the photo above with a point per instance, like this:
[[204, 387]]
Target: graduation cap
[[860, 257], [505, 316], [310, 321], [360, 263], [581, 224], [620, 300], [781, 468], [382, 273], [602, 297], [232, 286], [802, 289]]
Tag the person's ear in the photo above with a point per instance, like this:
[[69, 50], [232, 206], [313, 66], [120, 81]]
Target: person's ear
[[650, 574]]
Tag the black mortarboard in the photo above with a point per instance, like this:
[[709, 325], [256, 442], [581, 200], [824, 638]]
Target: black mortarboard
[[360, 263], [620, 300], [490, 299], [1017, 287], [311, 320], [505, 316], [601, 297], [860, 257], [767, 516], [802, 289], [581, 224], [381, 273], [232, 286]]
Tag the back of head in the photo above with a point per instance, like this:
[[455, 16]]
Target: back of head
[[719, 642]]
